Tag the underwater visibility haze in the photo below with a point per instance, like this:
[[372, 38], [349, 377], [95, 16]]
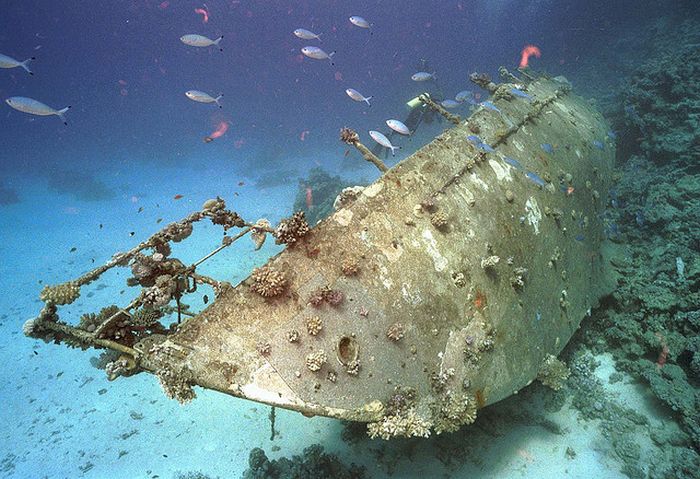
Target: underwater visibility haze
[[325, 239]]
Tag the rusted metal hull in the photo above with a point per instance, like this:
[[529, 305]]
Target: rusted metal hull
[[460, 321]]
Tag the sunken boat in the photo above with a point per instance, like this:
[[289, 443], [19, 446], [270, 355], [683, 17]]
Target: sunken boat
[[449, 283]]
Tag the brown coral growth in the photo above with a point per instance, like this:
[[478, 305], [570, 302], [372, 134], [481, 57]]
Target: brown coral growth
[[268, 282], [350, 267], [395, 332]]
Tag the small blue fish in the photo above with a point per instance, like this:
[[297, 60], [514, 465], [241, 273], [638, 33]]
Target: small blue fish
[[513, 162], [521, 94], [598, 144], [535, 178], [547, 147], [476, 141], [490, 106], [538, 316]]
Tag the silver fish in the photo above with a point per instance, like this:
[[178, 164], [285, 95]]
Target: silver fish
[[423, 76], [202, 97], [316, 53], [9, 62], [33, 107], [306, 34], [463, 96], [383, 140], [449, 103], [357, 96], [195, 40], [359, 22], [398, 127]]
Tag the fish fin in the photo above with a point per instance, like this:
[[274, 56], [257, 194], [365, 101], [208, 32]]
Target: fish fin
[[216, 42], [367, 99], [330, 57], [24, 65], [61, 114], [318, 37], [216, 100]]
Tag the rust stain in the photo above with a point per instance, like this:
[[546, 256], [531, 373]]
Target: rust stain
[[480, 398]]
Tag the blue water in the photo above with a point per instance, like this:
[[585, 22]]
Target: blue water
[[134, 154]]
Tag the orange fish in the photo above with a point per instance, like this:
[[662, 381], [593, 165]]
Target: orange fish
[[309, 198], [177, 197]]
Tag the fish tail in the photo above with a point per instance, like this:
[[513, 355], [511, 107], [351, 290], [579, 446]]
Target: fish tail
[[216, 100], [318, 37], [24, 65], [393, 150], [61, 114], [217, 41], [367, 99]]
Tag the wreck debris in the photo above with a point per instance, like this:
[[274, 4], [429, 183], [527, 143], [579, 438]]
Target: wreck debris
[[427, 101], [350, 136]]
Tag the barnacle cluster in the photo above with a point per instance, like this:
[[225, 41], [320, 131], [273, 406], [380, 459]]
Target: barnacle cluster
[[264, 348], [119, 367], [353, 367], [316, 360], [268, 282], [350, 267], [395, 332], [314, 325], [64, 293], [349, 136], [490, 262], [293, 336], [453, 411], [439, 220], [333, 297], [553, 372], [518, 278], [291, 230]]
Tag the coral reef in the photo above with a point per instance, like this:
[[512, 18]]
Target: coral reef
[[316, 360], [176, 383], [350, 267], [314, 463], [291, 230], [452, 411], [319, 296], [314, 325], [439, 220], [268, 282], [490, 262], [553, 372], [60, 294], [395, 332]]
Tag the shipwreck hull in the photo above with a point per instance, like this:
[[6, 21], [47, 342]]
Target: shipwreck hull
[[461, 322], [446, 285]]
